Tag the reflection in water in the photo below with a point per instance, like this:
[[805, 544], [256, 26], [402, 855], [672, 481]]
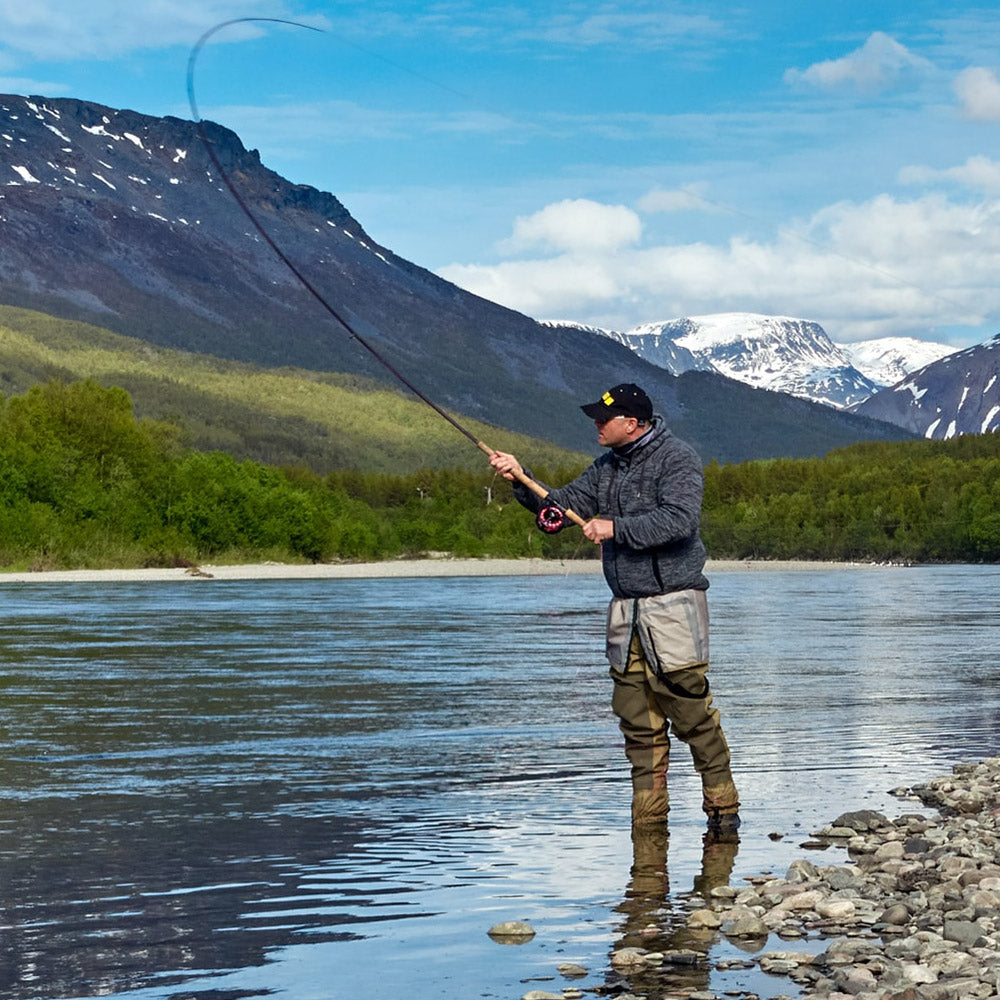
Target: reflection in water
[[195, 780], [223, 790], [106, 894], [652, 922]]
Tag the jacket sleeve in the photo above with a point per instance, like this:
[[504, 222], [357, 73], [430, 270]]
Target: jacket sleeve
[[677, 511]]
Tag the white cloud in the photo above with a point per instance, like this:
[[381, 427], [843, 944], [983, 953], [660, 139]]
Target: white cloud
[[688, 198], [909, 238], [978, 91], [878, 64], [978, 173], [878, 268], [543, 288], [98, 29], [576, 226]]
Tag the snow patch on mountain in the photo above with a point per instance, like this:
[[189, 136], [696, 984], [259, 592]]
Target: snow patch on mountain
[[889, 360]]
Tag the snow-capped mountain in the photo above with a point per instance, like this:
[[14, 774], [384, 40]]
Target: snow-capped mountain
[[889, 360], [777, 353], [960, 394]]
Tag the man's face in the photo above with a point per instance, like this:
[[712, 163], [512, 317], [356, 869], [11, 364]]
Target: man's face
[[617, 431]]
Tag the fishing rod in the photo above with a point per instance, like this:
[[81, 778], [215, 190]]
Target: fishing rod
[[551, 518]]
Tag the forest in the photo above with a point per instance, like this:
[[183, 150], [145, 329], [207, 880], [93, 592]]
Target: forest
[[84, 483]]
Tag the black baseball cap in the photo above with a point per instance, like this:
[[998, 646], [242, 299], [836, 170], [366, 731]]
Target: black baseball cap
[[625, 400]]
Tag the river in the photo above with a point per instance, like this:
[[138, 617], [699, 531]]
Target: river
[[326, 789]]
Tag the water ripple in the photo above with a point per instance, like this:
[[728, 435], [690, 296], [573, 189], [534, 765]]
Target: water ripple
[[229, 791]]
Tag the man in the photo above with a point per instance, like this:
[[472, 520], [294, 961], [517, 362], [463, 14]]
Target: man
[[642, 502]]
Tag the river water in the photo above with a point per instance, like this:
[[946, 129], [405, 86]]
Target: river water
[[326, 789]]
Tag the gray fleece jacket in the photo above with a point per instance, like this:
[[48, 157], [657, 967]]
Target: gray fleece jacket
[[652, 490]]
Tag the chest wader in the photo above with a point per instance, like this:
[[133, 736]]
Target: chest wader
[[658, 651]]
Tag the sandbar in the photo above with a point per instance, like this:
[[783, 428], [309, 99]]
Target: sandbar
[[434, 567]]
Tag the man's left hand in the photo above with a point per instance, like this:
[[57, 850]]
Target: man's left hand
[[599, 529]]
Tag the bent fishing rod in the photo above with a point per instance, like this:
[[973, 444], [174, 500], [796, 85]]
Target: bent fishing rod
[[551, 518]]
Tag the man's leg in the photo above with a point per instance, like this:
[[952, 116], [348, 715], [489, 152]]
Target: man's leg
[[684, 698], [647, 745]]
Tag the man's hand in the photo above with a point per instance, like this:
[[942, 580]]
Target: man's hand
[[507, 465], [599, 529]]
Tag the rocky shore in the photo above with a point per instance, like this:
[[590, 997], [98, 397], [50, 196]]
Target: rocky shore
[[914, 914]]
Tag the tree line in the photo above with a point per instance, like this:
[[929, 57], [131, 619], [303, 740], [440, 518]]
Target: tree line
[[83, 483], [920, 501]]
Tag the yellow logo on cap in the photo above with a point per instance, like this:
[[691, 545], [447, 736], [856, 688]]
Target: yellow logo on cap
[[607, 399]]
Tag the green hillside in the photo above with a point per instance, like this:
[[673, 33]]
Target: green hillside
[[277, 416]]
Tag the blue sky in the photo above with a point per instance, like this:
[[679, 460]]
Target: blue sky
[[613, 164]]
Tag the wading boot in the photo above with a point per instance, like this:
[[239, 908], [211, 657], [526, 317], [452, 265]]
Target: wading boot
[[721, 804]]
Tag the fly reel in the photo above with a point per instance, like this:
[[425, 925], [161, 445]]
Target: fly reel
[[551, 519]]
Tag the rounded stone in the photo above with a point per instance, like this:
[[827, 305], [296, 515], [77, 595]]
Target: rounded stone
[[512, 931], [891, 849], [896, 914], [747, 925], [836, 909], [628, 958], [705, 918]]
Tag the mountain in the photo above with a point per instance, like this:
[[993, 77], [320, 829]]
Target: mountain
[[889, 360], [960, 394], [120, 220], [776, 353], [780, 354]]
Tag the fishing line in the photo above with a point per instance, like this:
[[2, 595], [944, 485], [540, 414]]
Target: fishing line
[[525, 480]]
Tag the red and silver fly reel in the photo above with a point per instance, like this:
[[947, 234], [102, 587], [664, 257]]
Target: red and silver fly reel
[[551, 519]]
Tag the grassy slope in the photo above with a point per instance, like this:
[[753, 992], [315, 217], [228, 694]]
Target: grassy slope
[[280, 416]]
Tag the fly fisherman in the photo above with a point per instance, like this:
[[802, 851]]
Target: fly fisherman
[[642, 500]]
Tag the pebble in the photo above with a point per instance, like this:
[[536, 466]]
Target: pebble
[[513, 931], [704, 918], [625, 957]]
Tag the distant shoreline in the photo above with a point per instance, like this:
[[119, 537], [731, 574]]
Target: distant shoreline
[[399, 568]]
